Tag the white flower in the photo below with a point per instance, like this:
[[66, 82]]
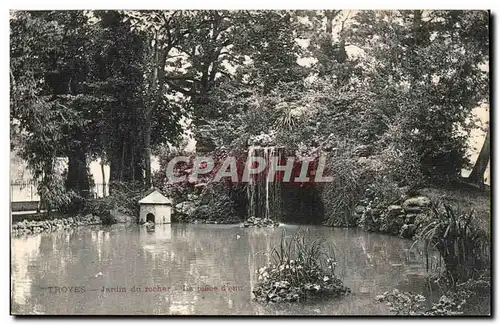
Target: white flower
[[419, 298], [326, 278]]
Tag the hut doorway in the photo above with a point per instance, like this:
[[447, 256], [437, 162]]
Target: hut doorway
[[150, 217]]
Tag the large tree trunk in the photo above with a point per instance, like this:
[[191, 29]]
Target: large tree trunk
[[103, 179], [147, 153], [78, 176], [126, 163], [115, 166], [330, 15], [477, 174]]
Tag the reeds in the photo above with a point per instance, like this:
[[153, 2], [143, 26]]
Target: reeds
[[300, 267], [463, 245]]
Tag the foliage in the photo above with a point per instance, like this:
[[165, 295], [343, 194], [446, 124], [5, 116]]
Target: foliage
[[409, 304], [54, 195], [39, 122], [427, 73], [116, 85], [463, 245], [124, 199], [453, 302], [178, 191], [217, 202], [462, 296], [77, 92], [402, 167], [403, 303], [300, 268], [342, 194], [101, 207]]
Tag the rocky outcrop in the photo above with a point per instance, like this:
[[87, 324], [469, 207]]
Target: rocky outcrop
[[27, 227], [394, 210], [416, 204], [402, 220], [260, 222]]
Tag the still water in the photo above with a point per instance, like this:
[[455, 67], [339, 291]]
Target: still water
[[175, 269]]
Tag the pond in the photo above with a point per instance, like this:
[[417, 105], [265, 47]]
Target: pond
[[195, 269]]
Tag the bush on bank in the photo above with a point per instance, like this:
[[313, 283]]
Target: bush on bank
[[123, 198], [461, 242]]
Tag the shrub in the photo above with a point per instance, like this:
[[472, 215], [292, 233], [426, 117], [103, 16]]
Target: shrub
[[463, 245], [54, 195], [403, 303], [101, 207], [341, 196], [357, 179], [451, 303], [123, 198], [217, 202], [300, 268], [108, 219], [178, 191], [402, 167]]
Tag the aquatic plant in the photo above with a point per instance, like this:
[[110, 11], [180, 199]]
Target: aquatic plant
[[462, 244], [403, 303], [451, 303], [300, 268]]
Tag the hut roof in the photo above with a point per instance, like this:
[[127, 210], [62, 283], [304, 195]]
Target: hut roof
[[155, 197]]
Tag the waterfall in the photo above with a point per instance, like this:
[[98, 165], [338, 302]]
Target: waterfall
[[250, 186], [264, 197], [266, 157]]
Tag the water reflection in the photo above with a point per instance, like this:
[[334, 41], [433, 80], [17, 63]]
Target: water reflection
[[192, 269]]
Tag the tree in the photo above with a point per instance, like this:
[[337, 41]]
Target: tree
[[426, 75], [162, 32], [67, 77], [477, 173], [119, 83], [40, 119]]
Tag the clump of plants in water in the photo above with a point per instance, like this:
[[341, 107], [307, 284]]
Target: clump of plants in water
[[403, 303], [452, 303], [461, 242], [300, 268]]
